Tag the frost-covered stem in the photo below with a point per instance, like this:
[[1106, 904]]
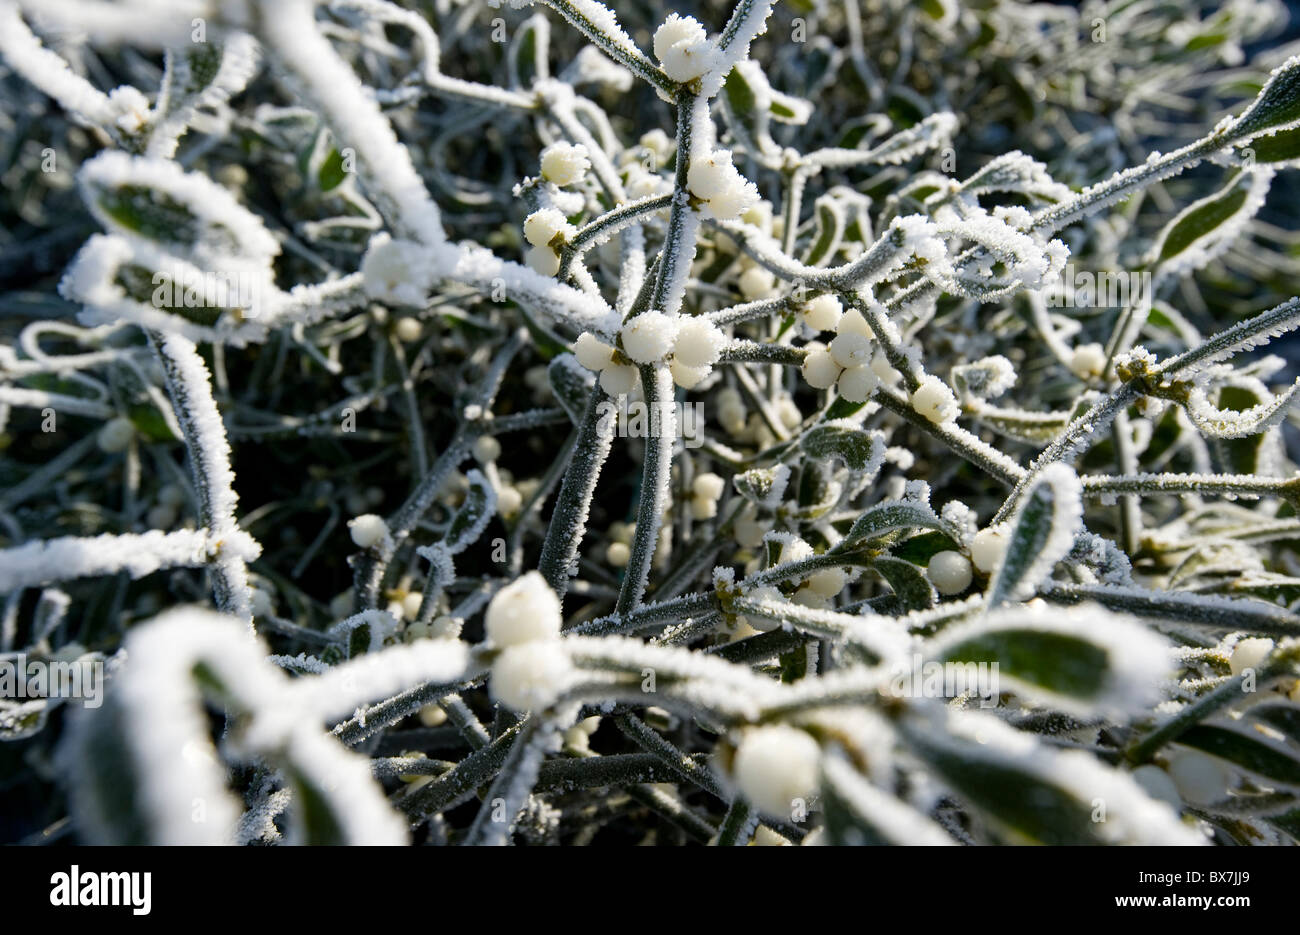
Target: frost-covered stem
[[611, 222], [190, 387], [288, 27], [678, 251], [970, 447], [1076, 434], [688, 769], [373, 562], [893, 353], [657, 384], [1183, 607], [648, 615], [573, 505], [1096, 197], [385, 714], [419, 453], [750, 311], [1151, 485], [597, 23], [1243, 335], [465, 721], [512, 786], [1282, 662], [559, 467], [738, 824], [741, 351], [458, 784]]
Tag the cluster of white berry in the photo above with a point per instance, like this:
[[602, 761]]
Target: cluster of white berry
[[523, 621], [695, 345]]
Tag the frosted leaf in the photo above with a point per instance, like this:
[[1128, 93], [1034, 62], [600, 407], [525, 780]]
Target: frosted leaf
[[1225, 423], [1034, 793], [1016, 172], [1206, 228], [1082, 659], [860, 813], [192, 83], [186, 213], [987, 378], [1042, 533]]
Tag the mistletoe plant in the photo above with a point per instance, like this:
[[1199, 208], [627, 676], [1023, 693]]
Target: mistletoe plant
[[834, 423]]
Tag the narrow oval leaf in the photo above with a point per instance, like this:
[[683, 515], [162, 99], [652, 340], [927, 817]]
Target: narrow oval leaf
[[858, 813], [1206, 228], [1082, 659], [909, 582], [1042, 533], [1277, 106], [859, 450], [1032, 794]]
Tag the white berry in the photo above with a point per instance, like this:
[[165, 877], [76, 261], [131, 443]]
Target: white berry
[[820, 369], [1087, 361], [934, 400], [618, 379], [542, 226], [368, 530], [823, 313], [1201, 779], [775, 766], [856, 384], [564, 163], [988, 547], [115, 435], [950, 572], [524, 610], [648, 337], [592, 352], [698, 343], [1250, 654], [529, 675]]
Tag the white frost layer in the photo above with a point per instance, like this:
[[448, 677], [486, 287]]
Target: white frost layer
[[40, 563]]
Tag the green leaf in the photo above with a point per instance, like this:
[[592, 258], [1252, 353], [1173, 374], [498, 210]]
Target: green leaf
[[150, 423], [762, 486], [152, 214], [921, 548], [740, 96], [890, 517], [1278, 104], [1060, 663], [529, 52], [859, 450], [1042, 533], [909, 582], [1029, 793], [1281, 717], [1210, 220], [332, 172], [1283, 146], [858, 813], [104, 792], [1272, 761], [315, 822], [830, 231]]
